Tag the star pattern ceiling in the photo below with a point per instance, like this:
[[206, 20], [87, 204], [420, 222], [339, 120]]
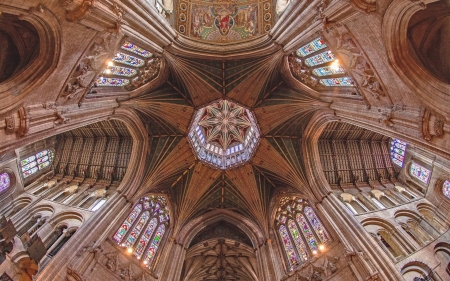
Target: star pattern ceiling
[[224, 134]]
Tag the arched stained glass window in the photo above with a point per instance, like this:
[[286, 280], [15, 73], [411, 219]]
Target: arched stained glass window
[[288, 248], [5, 181], [130, 68], [298, 226], [151, 252], [398, 150], [34, 163], [446, 189], [419, 172], [144, 228], [315, 65]]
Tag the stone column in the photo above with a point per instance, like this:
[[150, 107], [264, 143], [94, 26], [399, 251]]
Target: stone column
[[97, 228], [365, 256]]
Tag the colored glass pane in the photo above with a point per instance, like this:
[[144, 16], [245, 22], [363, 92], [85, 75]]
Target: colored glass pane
[[137, 50], [30, 172], [151, 252], [298, 241], [311, 47], [43, 165], [4, 181], [120, 71], [307, 232], [137, 230], [288, 248], [123, 229], [446, 189], [337, 82], [328, 70], [29, 166], [27, 160], [419, 172], [145, 238], [321, 58], [111, 82], [317, 225], [42, 154], [398, 149], [129, 60], [42, 160]]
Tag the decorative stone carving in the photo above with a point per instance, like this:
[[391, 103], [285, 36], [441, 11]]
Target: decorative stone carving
[[72, 275], [367, 6], [146, 74], [301, 72], [76, 9], [18, 122], [356, 62], [432, 125], [89, 66]]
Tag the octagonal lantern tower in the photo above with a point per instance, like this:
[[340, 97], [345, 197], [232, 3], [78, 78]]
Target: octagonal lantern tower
[[224, 134]]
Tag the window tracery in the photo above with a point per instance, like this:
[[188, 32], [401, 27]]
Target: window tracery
[[298, 226], [5, 181], [131, 67], [142, 231], [37, 162], [419, 172], [314, 64], [398, 150]]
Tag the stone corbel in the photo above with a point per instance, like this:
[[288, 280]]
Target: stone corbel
[[367, 6], [76, 9], [432, 125], [18, 123]]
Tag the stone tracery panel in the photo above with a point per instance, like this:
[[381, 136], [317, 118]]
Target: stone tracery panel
[[224, 21]]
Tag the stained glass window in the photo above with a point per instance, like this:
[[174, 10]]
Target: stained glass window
[[144, 228], [5, 181], [398, 149], [321, 58], [151, 252], [419, 172], [34, 163], [337, 82], [120, 71], [288, 249], [114, 82], [298, 226], [446, 189], [128, 60], [311, 47], [328, 70], [137, 50]]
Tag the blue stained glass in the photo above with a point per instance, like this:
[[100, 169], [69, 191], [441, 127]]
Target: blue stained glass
[[337, 82], [29, 166], [4, 181], [307, 232], [30, 172], [317, 225], [137, 230], [151, 252], [311, 47], [398, 149], [328, 70], [137, 50], [446, 189], [145, 238], [321, 58], [27, 160], [120, 71], [298, 241], [115, 82], [123, 229], [419, 172], [129, 60]]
